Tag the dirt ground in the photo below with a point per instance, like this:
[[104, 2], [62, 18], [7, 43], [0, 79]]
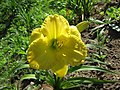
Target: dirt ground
[[113, 59]]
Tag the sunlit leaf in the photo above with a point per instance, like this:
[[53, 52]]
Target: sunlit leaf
[[72, 69], [95, 60], [22, 52], [95, 46], [85, 68], [96, 21], [76, 81], [91, 45], [22, 66], [82, 25], [28, 76]]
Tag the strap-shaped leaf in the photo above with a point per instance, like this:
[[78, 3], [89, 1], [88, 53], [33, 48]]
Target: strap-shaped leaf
[[28, 76], [14, 70], [76, 81], [22, 66], [49, 78], [72, 69], [82, 25], [95, 60], [96, 21], [85, 67]]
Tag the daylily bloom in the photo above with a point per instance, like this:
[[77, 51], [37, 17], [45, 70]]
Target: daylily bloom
[[56, 45]]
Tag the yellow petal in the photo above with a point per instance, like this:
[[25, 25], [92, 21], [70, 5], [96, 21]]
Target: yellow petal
[[54, 26], [74, 31], [61, 72], [36, 33], [74, 50], [40, 54]]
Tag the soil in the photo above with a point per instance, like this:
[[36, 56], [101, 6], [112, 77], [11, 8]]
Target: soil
[[113, 59]]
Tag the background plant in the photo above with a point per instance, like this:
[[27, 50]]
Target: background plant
[[17, 21], [82, 8]]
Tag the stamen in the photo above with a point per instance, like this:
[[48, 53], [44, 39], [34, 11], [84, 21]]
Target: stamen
[[57, 44]]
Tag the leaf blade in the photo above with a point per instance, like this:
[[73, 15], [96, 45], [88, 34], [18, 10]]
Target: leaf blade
[[28, 76], [86, 68], [82, 25], [22, 66], [76, 81]]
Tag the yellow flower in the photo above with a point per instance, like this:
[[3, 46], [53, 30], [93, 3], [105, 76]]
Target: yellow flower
[[56, 45]]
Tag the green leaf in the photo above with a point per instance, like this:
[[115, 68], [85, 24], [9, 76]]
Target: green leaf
[[18, 68], [95, 46], [22, 66], [96, 21], [49, 78], [96, 60], [85, 68], [22, 52], [72, 69], [82, 25], [76, 81], [91, 45], [28, 76]]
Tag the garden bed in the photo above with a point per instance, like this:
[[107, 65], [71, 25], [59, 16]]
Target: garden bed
[[18, 19]]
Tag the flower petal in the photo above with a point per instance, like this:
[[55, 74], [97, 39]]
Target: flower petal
[[61, 72], [54, 26], [73, 51], [40, 54], [36, 33], [74, 31]]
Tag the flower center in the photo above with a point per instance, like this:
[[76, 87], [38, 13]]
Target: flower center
[[57, 44]]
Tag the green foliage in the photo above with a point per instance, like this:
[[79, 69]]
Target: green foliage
[[99, 45], [113, 13], [75, 82], [28, 76], [19, 18], [86, 67], [81, 8], [61, 83], [82, 26]]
